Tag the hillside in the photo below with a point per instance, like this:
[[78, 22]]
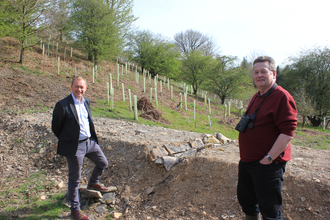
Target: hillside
[[203, 186]]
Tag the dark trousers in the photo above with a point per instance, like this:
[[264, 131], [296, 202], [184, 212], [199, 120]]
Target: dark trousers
[[259, 189], [91, 150]]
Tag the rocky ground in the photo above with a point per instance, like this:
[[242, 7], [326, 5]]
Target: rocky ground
[[202, 186]]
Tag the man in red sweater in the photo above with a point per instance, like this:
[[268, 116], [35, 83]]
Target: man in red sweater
[[265, 144]]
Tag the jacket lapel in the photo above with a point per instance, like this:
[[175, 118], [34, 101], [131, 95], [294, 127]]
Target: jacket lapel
[[73, 108], [88, 110]]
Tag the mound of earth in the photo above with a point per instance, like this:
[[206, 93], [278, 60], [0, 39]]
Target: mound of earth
[[149, 112]]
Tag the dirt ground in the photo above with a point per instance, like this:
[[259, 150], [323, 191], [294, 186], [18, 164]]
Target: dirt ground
[[201, 187]]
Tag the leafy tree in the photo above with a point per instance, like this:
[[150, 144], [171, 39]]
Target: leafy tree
[[23, 20], [7, 19], [195, 68], [154, 53], [101, 25], [310, 71], [227, 78]]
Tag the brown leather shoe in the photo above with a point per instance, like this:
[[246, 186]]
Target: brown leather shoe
[[79, 215], [98, 187]]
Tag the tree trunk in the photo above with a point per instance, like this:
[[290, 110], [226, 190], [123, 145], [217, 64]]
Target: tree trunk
[[21, 56], [315, 121], [303, 122], [222, 99]]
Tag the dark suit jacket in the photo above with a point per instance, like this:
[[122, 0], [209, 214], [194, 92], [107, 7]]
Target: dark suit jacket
[[65, 125]]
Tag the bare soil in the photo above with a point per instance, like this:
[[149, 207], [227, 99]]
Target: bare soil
[[201, 187]]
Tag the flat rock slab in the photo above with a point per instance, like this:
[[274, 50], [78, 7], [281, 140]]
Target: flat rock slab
[[112, 188], [209, 139], [188, 153], [170, 161], [91, 193], [101, 208], [173, 149], [197, 143], [158, 152]]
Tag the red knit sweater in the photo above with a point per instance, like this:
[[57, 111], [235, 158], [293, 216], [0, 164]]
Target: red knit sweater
[[277, 115]]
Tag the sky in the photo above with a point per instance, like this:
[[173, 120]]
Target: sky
[[279, 29]]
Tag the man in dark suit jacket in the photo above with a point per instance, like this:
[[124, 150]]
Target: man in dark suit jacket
[[73, 126]]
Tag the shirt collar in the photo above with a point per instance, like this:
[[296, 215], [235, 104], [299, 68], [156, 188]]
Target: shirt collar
[[76, 100]]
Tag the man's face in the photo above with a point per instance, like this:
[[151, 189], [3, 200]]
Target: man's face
[[263, 76], [78, 88]]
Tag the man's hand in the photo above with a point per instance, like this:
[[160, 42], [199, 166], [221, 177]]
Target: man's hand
[[265, 161]]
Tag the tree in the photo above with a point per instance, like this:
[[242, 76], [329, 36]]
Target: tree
[[195, 68], [24, 20], [58, 18], [191, 40], [7, 19], [101, 25], [310, 71], [304, 103], [227, 78], [154, 53]]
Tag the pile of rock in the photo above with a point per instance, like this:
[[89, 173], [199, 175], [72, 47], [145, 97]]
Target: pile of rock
[[101, 202], [170, 155]]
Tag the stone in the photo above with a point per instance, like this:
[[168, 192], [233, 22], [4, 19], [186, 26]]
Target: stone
[[150, 190], [84, 196], [170, 161], [101, 208], [91, 193], [109, 198], [84, 203], [137, 132], [43, 197], [197, 143], [159, 161], [112, 188], [209, 139], [43, 151], [158, 152], [173, 149], [66, 201], [185, 147], [116, 215], [188, 153], [222, 138], [60, 185]]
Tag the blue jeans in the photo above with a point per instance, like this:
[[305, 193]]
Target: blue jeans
[[91, 150], [259, 189]]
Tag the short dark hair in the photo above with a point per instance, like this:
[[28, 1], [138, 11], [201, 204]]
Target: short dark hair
[[79, 78], [268, 59]]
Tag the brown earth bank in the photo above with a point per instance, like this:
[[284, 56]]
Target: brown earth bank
[[203, 186]]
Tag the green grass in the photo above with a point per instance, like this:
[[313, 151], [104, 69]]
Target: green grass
[[314, 137], [27, 201], [176, 119], [121, 111]]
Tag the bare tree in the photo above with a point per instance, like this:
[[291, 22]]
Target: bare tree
[[194, 40], [256, 53], [305, 105], [57, 19]]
